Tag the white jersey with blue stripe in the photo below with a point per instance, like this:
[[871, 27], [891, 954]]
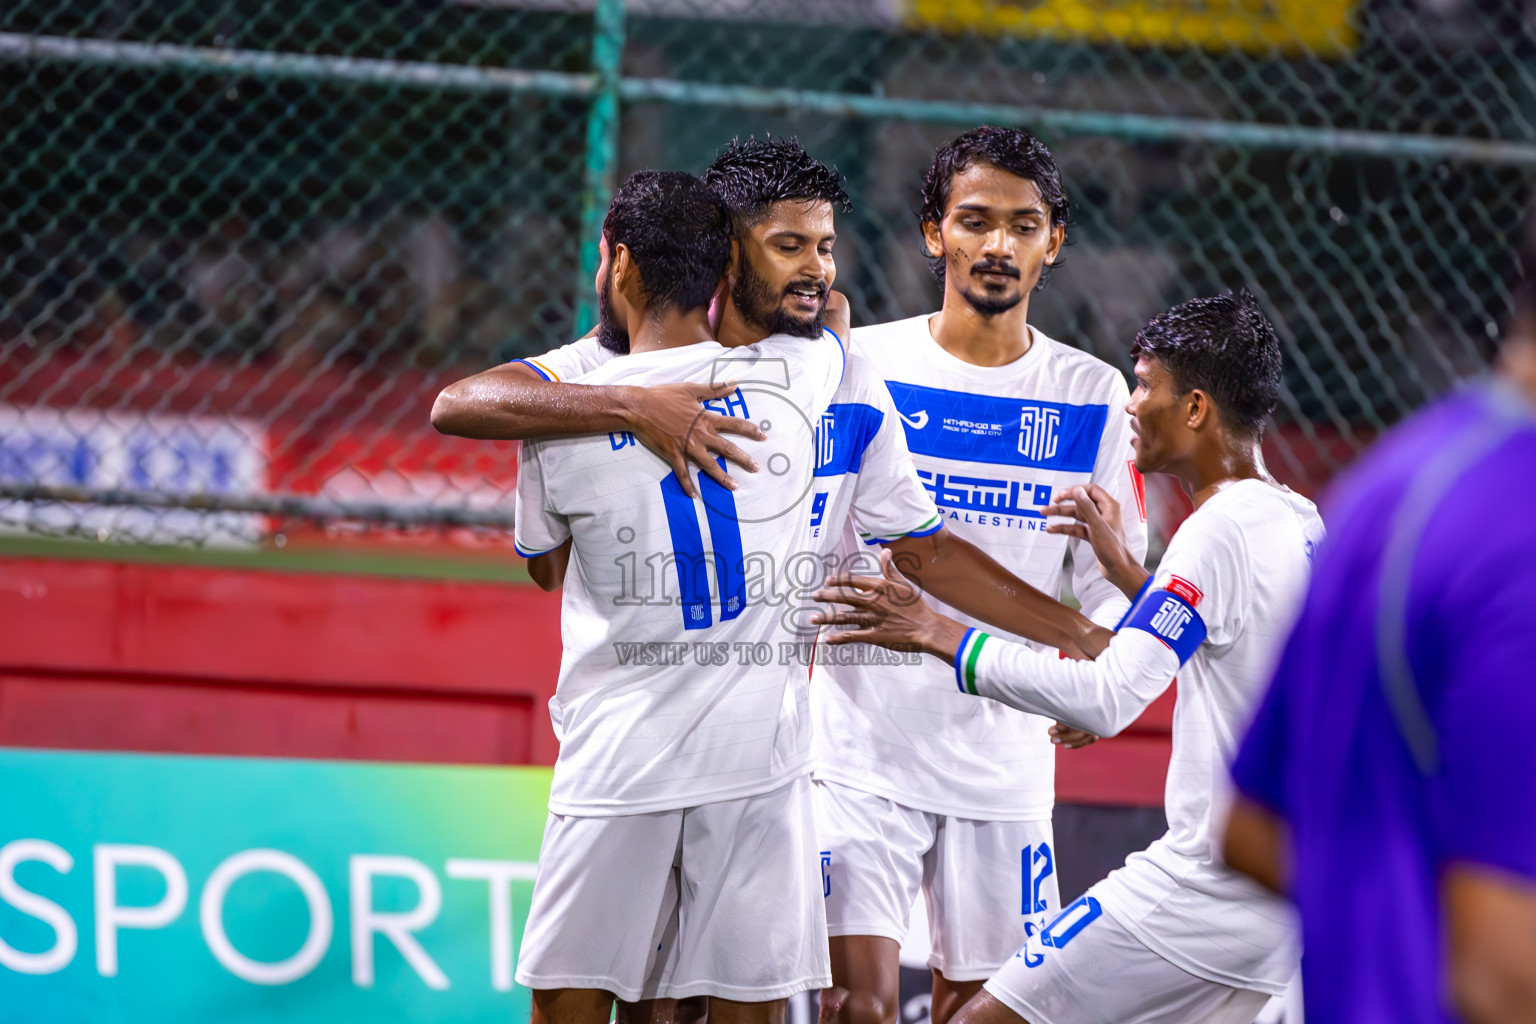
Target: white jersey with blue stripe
[[677, 686], [866, 481], [1217, 613], [993, 446]]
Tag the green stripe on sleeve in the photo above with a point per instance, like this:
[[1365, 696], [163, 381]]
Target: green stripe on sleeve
[[977, 640]]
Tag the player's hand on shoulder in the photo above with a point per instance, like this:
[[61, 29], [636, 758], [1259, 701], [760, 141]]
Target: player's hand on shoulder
[[838, 316], [1098, 521], [670, 420]]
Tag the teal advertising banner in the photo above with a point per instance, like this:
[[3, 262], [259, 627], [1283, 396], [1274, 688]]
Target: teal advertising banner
[[168, 889]]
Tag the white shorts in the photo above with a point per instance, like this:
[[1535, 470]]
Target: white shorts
[[1086, 968], [723, 900], [988, 884]]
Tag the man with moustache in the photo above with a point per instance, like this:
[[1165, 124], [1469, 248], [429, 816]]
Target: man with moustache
[[782, 204], [920, 787], [678, 860]]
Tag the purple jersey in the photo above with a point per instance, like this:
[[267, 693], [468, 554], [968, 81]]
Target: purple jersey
[[1400, 732]]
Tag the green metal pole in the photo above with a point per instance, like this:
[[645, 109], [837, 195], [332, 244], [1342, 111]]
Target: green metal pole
[[602, 149]]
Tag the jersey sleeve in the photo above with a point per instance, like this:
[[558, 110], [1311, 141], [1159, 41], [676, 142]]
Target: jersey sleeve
[[1201, 587], [1115, 471], [1484, 800], [536, 526], [568, 362], [1102, 696], [889, 501]]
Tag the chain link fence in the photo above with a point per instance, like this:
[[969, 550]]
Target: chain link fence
[[243, 243]]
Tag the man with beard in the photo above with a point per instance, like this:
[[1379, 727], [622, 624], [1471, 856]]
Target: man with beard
[[678, 861], [782, 202], [918, 786]]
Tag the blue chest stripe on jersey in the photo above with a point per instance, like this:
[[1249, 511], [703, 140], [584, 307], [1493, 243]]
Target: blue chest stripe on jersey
[[1002, 431], [1171, 619], [843, 434], [725, 536], [688, 555]]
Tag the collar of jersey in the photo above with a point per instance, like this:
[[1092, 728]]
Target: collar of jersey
[[950, 360]]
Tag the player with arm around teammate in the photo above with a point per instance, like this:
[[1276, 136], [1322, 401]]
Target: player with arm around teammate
[[783, 202], [678, 860], [1174, 935]]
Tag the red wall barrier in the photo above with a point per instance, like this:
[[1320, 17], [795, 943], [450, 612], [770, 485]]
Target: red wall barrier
[[123, 656], [108, 655]]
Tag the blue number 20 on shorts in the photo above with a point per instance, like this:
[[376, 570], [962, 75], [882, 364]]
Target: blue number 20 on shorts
[[1079, 914]]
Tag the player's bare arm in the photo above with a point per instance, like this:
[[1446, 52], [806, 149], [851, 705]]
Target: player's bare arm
[[960, 574], [965, 577], [1098, 521], [1103, 696], [838, 317], [548, 569], [513, 403], [1255, 844], [1491, 940], [888, 611]]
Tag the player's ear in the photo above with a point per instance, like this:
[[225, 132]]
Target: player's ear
[[626, 274], [730, 264], [933, 241], [1198, 409], [1058, 238]]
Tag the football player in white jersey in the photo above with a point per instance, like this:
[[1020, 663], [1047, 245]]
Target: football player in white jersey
[[1174, 935], [919, 789], [680, 793], [784, 225], [782, 201]]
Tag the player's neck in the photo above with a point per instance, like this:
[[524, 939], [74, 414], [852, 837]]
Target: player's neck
[[673, 329], [981, 340], [735, 331], [1217, 466]]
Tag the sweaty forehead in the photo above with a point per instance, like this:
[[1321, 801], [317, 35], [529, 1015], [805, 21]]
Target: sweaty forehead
[[993, 187], [810, 217]]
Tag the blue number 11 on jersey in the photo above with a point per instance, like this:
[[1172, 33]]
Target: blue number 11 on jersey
[[691, 561]]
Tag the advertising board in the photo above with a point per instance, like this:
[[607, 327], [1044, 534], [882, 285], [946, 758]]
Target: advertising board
[[172, 888]]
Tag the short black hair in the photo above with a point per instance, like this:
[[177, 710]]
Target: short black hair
[[1008, 149], [753, 174], [1226, 347], [679, 232]]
